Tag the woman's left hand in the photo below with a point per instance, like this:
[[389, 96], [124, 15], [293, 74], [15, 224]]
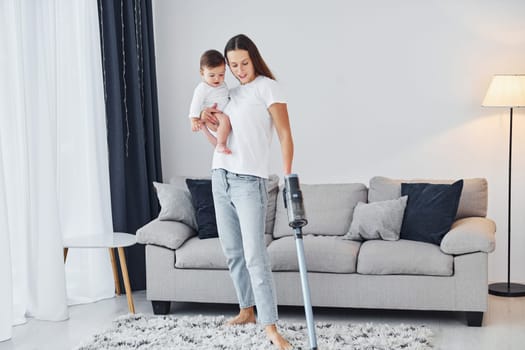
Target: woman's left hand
[[208, 114]]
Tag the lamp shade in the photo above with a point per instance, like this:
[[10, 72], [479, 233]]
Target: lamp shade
[[506, 91]]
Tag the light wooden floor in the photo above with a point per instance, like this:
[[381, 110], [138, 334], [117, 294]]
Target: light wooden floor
[[503, 326]]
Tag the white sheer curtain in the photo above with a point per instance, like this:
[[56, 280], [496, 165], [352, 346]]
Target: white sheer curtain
[[6, 295], [54, 179]]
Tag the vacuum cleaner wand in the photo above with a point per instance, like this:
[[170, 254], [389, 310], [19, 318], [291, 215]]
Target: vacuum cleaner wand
[[293, 202]]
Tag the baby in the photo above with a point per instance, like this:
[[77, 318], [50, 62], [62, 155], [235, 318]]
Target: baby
[[212, 91]]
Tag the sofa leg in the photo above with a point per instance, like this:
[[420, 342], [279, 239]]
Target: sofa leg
[[474, 318], [161, 307]]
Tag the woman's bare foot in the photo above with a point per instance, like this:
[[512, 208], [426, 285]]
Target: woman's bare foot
[[276, 338], [246, 315], [222, 148]]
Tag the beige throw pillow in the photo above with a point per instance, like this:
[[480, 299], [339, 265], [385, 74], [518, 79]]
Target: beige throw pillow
[[377, 220], [175, 204]]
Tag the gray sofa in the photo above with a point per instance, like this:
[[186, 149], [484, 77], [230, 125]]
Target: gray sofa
[[377, 274]]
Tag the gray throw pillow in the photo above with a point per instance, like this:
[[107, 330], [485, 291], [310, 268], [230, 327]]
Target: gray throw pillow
[[175, 204], [377, 220]]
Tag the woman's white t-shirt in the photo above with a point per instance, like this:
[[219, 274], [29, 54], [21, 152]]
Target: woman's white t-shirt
[[252, 128]]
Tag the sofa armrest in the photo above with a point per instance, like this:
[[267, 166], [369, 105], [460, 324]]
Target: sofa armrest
[[469, 235], [169, 234]]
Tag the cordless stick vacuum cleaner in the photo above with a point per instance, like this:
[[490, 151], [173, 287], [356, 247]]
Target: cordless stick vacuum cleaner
[[293, 202]]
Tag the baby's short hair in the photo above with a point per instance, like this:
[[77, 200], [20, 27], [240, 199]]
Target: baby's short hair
[[212, 59]]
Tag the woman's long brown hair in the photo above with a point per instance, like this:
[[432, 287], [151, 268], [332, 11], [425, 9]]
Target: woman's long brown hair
[[242, 42]]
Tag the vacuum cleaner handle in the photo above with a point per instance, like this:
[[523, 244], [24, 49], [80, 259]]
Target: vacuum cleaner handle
[[293, 201]]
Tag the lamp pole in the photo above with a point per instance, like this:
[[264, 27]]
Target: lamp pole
[[508, 289], [509, 214]]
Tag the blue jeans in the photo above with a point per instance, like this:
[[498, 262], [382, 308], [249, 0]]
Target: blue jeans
[[240, 207]]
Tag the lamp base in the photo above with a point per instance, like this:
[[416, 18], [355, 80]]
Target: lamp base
[[505, 289]]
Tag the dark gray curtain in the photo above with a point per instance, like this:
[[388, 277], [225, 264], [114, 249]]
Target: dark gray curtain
[[130, 86]]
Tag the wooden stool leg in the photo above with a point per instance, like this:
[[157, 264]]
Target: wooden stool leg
[[115, 271], [65, 255], [127, 286]]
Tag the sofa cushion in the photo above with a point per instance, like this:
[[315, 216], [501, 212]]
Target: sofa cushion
[[377, 220], [403, 257], [202, 199], [204, 254], [175, 204], [430, 210], [470, 235], [169, 234], [201, 254], [322, 254], [329, 209], [473, 200]]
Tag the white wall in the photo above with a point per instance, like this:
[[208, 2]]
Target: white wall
[[380, 87]]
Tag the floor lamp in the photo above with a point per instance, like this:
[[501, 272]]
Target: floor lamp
[[507, 91]]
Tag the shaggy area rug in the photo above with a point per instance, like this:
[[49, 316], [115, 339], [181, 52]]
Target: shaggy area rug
[[210, 333]]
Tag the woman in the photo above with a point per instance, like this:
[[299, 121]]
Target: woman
[[239, 181]]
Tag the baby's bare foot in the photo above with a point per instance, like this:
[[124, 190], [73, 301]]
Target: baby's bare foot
[[222, 148], [277, 339], [245, 316]]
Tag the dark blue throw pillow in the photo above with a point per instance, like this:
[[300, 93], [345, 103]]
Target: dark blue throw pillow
[[431, 209], [202, 200]]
